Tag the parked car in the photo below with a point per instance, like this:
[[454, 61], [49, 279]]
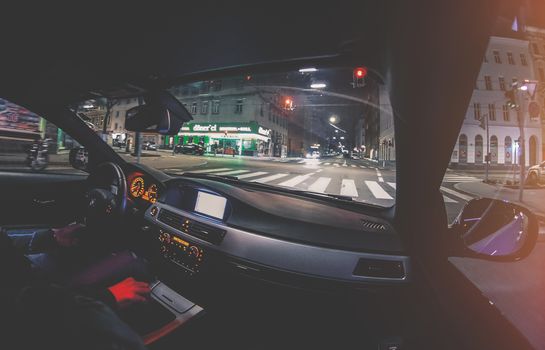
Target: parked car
[[536, 174], [149, 145], [189, 149]]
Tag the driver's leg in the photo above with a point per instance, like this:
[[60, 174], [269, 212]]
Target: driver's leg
[[81, 269]]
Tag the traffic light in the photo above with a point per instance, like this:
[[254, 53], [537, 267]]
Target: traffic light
[[511, 99], [358, 76], [288, 103]]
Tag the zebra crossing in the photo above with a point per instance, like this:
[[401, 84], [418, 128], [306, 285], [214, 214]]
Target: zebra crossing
[[380, 191], [459, 178], [324, 163]]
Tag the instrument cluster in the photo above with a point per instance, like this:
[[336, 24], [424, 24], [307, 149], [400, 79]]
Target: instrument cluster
[[142, 187]]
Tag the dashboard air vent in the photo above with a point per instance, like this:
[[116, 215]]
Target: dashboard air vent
[[191, 227], [371, 225]]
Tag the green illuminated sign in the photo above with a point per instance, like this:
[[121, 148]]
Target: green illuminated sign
[[241, 128]]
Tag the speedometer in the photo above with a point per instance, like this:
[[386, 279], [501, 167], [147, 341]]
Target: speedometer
[[137, 187]]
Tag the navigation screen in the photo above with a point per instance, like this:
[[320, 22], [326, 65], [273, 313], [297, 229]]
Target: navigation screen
[[211, 205]]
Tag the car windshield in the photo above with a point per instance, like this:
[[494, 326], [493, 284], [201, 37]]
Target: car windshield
[[320, 130]]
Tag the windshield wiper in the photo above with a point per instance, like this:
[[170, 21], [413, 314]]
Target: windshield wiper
[[262, 185]]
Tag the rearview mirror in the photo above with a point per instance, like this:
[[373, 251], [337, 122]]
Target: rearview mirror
[[162, 113], [496, 230]]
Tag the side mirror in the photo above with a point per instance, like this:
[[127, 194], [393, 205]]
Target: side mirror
[[162, 113], [79, 158], [495, 230]]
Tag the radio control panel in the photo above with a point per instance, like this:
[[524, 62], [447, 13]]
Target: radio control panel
[[187, 255]]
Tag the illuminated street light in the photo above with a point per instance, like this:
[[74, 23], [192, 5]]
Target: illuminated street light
[[307, 70], [333, 119], [318, 85]]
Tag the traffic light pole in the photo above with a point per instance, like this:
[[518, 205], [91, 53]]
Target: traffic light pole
[[522, 145], [487, 166]]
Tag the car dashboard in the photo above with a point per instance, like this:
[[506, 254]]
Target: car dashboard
[[196, 223]]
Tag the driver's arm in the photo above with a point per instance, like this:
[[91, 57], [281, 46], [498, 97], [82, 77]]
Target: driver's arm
[[45, 240]]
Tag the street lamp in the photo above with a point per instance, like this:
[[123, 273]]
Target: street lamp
[[333, 119], [514, 100], [318, 85]]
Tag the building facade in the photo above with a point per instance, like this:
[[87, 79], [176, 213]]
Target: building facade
[[536, 36], [386, 142], [507, 60], [233, 115]]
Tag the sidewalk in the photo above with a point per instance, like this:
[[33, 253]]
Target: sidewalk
[[533, 199]]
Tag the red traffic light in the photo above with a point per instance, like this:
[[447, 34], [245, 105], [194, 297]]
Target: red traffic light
[[360, 72]]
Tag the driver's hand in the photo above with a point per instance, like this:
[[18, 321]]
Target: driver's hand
[[130, 291], [68, 236]]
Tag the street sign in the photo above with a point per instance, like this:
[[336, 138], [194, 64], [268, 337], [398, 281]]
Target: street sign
[[533, 110]]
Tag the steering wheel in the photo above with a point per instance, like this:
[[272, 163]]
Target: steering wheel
[[107, 195]]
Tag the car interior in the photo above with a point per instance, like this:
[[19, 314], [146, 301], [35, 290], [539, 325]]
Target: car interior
[[244, 264]]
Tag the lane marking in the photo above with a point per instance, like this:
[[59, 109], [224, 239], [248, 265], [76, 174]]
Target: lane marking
[[393, 185], [233, 172], [344, 164], [348, 188], [377, 190], [336, 164], [295, 180], [301, 161], [327, 163], [257, 173], [208, 170], [380, 179], [456, 194], [319, 170], [320, 185], [270, 178], [363, 167]]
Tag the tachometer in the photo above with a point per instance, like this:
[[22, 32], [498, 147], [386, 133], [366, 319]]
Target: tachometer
[[152, 193], [137, 187]]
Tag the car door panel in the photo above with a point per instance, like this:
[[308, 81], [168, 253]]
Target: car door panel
[[41, 198]]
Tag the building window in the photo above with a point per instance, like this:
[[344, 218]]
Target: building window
[[523, 59], [497, 57], [115, 126], [492, 111], [502, 83], [535, 48], [238, 106], [505, 109], [117, 114], [477, 111], [487, 82], [194, 108], [510, 58], [217, 85], [215, 107], [204, 107], [205, 87]]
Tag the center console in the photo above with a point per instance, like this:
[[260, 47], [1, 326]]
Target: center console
[[189, 256], [163, 313]]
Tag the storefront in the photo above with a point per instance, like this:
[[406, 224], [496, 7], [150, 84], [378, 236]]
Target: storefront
[[247, 138]]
